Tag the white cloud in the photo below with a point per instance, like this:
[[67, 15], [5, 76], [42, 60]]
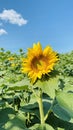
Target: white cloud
[[12, 17], [2, 31]]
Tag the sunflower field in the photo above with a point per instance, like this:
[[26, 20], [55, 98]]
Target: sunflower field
[[36, 89]]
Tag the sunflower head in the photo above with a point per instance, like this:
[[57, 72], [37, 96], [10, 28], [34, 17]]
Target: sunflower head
[[38, 61], [11, 58]]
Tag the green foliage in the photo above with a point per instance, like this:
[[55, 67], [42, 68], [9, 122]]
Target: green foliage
[[65, 64], [65, 100], [19, 109], [42, 127]]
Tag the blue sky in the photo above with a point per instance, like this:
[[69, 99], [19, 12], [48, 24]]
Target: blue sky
[[24, 22]]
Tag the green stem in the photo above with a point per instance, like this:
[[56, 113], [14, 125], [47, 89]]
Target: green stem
[[40, 103], [49, 111]]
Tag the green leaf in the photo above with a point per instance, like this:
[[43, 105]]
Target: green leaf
[[20, 85], [9, 120], [68, 88], [41, 127], [2, 72], [4, 115], [65, 100], [2, 103], [16, 123], [48, 86], [61, 113], [60, 129], [31, 108]]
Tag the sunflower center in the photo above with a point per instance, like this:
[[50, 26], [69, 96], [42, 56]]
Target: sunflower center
[[38, 62]]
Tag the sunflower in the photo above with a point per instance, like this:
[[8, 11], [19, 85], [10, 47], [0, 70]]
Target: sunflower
[[39, 62], [11, 58]]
